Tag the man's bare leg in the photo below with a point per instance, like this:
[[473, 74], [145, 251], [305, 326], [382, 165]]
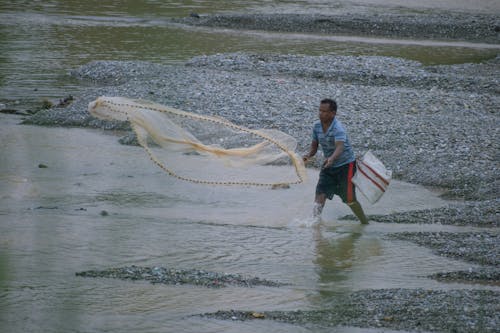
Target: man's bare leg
[[358, 211], [319, 203]]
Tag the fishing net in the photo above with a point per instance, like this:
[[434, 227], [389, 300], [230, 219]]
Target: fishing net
[[206, 149]]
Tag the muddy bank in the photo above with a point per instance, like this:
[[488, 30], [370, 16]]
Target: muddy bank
[[417, 25], [399, 309]]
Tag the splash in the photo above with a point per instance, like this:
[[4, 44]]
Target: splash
[[305, 222]]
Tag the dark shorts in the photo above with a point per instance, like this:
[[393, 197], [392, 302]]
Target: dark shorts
[[338, 181]]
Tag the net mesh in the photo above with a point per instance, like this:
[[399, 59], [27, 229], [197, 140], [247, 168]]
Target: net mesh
[[206, 149]]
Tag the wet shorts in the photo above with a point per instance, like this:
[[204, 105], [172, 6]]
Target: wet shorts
[[338, 181]]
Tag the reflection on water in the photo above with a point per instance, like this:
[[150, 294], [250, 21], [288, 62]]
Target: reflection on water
[[335, 254], [51, 227]]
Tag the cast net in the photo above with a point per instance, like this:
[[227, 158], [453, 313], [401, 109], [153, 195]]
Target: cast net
[[206, 149]]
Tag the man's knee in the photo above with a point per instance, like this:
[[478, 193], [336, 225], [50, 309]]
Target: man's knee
[[320, 198]]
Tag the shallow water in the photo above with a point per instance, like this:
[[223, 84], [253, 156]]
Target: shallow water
[[42, 40], [52, 226]]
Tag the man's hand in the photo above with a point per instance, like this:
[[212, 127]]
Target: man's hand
[[312, 151], [339, 148], [328, 162]]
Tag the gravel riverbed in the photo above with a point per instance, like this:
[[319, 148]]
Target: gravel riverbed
[[455, 311], [439, 25], [436, 126], [458, 245], [479, 214], [166, 275], [442, 119]]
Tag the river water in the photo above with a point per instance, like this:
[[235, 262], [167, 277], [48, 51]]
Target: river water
[[52, 226], [42, 40], [52, 222]]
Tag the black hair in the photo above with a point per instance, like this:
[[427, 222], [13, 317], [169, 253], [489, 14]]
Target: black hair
[[331, 102]]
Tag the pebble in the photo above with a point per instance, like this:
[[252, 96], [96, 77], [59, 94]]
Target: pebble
[[165, 275], [424, 25], [480, 214], [454, 311], [475, 247], [478, 275]]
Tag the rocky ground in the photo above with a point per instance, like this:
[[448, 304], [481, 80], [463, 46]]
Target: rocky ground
[[431, 25], [480, 214], [432, 125], [398, 309], [166, 275], [443, 119]]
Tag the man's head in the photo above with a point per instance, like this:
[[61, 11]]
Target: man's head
[[331, 104], [327, 110]]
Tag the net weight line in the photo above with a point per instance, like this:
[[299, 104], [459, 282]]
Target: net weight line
[[120, 107]]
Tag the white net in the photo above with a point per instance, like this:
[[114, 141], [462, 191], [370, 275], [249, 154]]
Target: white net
[[206, 149]]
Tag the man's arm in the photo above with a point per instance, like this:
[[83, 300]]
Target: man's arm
[[339, 149], [312, 150]]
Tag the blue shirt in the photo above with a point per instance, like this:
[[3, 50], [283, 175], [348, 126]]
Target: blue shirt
[[335, 132]]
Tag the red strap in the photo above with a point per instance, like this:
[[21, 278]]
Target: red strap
[[374, 172], [350, 195], [371, 179]]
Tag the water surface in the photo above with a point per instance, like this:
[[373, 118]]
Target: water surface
[[42, 40], [52, 226]]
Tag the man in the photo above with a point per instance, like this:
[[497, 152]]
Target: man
[[340, 163]]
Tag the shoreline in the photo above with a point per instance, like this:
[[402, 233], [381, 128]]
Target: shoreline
[[431, 25], [397, 309], [391, 106]]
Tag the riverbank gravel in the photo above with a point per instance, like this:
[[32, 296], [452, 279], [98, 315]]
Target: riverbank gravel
[[417, 310], [482, 275], [423, 25], [476, 247], [480, 214], [448, 135], [166, 275]]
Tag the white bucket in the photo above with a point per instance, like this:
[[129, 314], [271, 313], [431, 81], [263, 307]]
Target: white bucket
[[371, 177]]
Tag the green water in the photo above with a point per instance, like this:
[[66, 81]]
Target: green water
[[42, 40]]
